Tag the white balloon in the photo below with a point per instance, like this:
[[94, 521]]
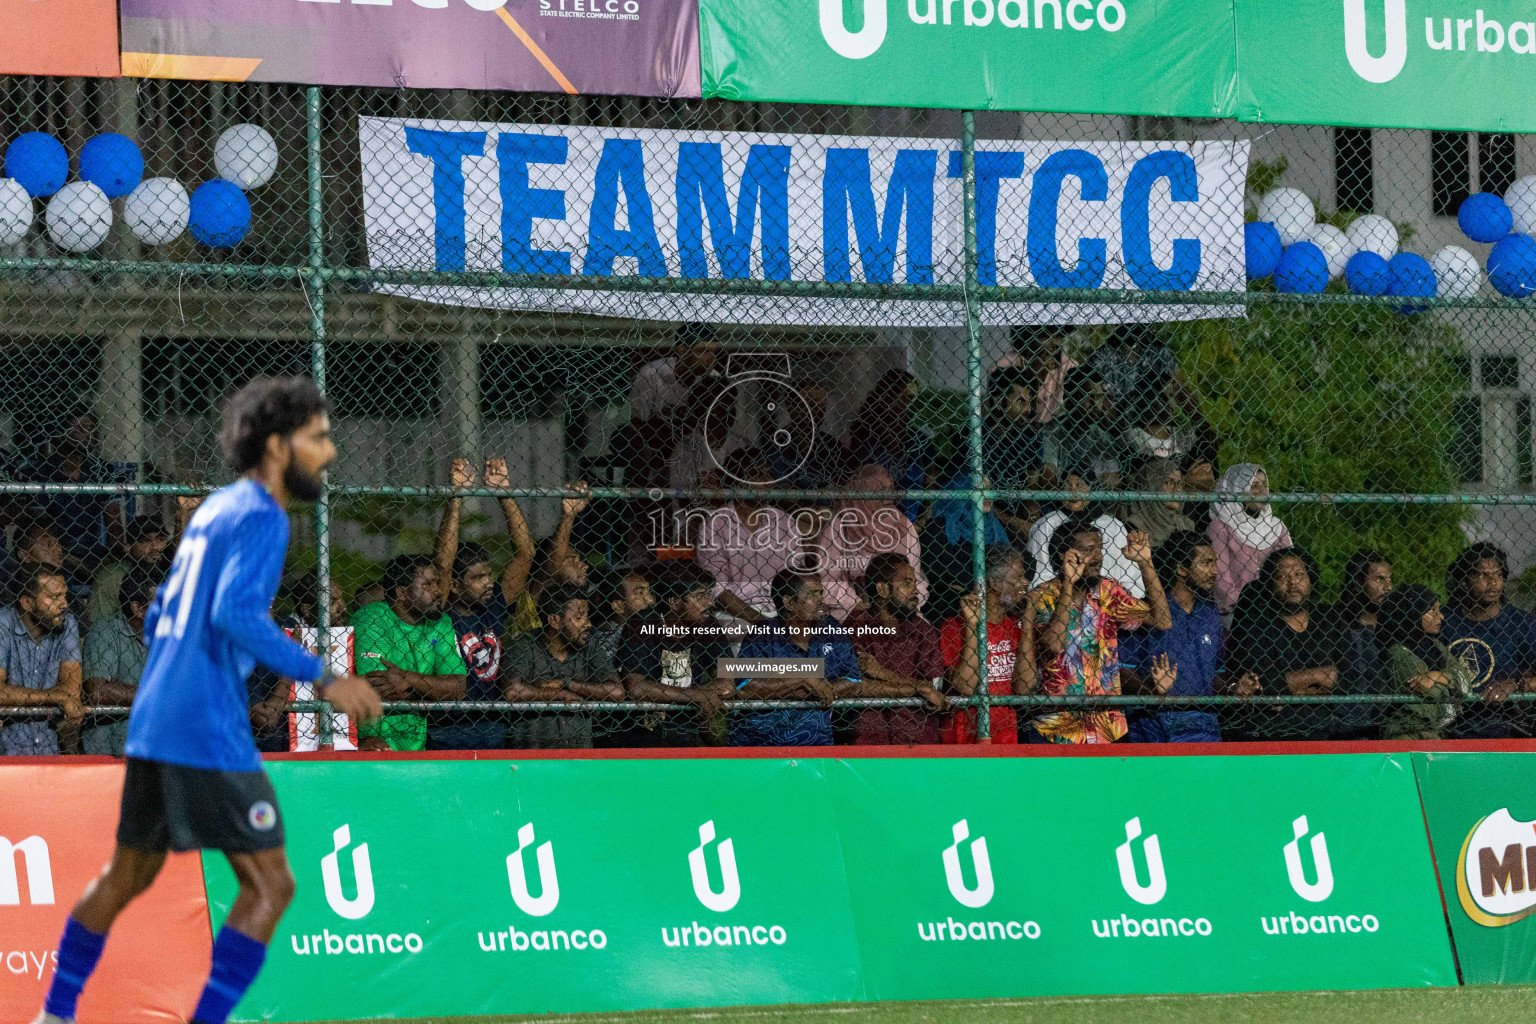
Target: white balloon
[[1457, 272], [79, 216], [1290, 211], [1373, 233], [246, 155], [1521, 199], [1335, 245], [15, 212], [158, 210]]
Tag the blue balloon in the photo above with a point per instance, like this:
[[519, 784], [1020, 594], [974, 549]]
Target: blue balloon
[[1302, 268], [1512, 266], [112, 163], [1484, 217], [221, 215], [1261, 243], [38, 162], [1366, 274], [1412, 277]]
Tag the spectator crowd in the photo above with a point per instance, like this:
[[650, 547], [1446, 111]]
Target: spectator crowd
[[875, 595]]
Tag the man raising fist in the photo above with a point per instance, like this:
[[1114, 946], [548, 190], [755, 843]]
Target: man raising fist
[[1078, 618]]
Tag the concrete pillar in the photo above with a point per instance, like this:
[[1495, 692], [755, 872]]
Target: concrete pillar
[[121, 97], [120, 397]]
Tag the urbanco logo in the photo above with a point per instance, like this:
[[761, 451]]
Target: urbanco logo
[[1312, 892], [1157, 883], [330, 869], [549, 885], [730, 893], [981, 895], [1496, 869], [853, 45], [34, 851], [1378, 70]]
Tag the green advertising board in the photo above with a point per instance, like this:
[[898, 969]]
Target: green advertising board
[[1455, 64], [1175, 59], [497, 887], [553, 886], [1481, 810], [1197, 874]]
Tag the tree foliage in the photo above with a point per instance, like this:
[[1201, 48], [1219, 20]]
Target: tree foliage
[[1338, 399]]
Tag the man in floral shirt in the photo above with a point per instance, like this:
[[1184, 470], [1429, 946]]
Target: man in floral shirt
[[1078, 619]]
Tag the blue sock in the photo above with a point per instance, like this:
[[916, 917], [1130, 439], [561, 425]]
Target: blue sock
[[237, 959], [79, 950]]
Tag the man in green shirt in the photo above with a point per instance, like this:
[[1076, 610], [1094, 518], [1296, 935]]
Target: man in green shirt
[[406, 647]]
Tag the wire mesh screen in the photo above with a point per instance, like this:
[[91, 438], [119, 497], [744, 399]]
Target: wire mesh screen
[[667, 423]]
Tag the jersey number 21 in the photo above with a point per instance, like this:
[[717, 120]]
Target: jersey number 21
[[182, 584]]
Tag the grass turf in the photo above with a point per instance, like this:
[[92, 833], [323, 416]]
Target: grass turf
[[1403, 1006]]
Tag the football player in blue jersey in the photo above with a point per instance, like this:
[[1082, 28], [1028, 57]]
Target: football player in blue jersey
[[194, 779]]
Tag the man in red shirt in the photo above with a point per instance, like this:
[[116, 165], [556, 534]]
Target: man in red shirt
[[1010, 648], [899, 652]]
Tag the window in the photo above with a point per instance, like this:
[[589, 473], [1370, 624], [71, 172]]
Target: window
[[1450, 165], [1495, 163], [1491, 426], [1453, 162], [1354, 170]]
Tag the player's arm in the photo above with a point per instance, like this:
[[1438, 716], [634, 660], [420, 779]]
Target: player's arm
[[22, 697], [514, 577], [69, 685], [447, 547], [427, 686], [242, 611]]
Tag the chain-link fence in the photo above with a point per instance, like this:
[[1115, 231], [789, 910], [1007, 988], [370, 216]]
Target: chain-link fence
[[632, 396]]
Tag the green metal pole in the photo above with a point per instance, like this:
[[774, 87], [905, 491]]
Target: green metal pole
[[973, 387], [314, 285]]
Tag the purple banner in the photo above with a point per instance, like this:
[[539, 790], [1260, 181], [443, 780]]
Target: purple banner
[[616, 47]]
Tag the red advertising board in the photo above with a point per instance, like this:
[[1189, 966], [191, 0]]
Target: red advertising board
[[59, 37], [57, 825]]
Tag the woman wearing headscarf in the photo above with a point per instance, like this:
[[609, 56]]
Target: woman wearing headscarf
[[861, 528], [1159, 520], [1243, 531], [1415, 661]]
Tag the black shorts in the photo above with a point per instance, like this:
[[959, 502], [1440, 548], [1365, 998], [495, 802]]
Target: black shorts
[[172, 807]]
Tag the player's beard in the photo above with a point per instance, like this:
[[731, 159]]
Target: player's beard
[[301, 485]]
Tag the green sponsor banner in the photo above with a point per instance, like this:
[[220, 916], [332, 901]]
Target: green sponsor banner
[[1040, 876], [1481, 810], [452, 888], [1042, 55], [496, 887], [1454, 64]]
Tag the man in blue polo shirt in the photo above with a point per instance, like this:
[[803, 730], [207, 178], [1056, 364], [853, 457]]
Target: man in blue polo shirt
[[802, 629], [1181, 661]]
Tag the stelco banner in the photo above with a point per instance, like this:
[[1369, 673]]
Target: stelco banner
[[58, 37], [58, 824], [1457, 64], [1076, 56], [599, 202], [1481, 810], [627, 47], [563, 886]]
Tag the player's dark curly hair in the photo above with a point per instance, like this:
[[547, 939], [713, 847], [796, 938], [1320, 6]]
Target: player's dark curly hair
[[266, 406]]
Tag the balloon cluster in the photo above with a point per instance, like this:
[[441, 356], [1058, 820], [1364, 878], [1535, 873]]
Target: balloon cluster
[[1508, 224], [78, 215], [1302, 256]]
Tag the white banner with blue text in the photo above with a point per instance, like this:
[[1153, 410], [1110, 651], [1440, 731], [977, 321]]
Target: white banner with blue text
[[619, 202]]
